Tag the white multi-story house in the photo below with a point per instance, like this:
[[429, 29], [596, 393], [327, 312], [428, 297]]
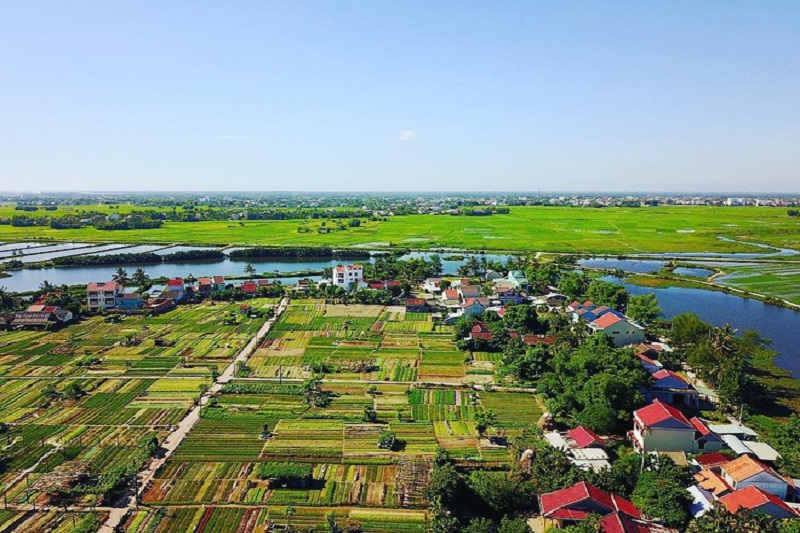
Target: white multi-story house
[[103, 294], [347, 276]]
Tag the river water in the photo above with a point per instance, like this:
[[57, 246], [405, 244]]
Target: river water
[[29, 279], [778, 324]]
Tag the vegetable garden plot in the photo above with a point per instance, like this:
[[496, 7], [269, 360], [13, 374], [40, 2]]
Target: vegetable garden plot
[[441, 404], [238, 433], [513, 410], [305, 440], [368, 485]]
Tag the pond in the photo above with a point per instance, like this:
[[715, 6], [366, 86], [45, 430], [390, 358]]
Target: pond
[[29, 279], [642, 266], [778, 324], [696, 272]]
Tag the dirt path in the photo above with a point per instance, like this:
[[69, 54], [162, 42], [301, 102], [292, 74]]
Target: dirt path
[[175, 438]]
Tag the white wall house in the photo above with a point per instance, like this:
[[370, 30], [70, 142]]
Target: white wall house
[[622, 331], [103, 294], [661, 427], [347, 276], [747, 472]]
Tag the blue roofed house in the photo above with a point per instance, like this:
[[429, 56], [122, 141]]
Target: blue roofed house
[[130, 301], [474, 306]]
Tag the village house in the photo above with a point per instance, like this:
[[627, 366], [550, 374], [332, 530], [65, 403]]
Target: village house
[[577, 503], [347, 276], [621, 331], [754, 499], [416, 305], [745, 472], [250, 288], [103, 294], [518, 280], [40, 316], [661, 427], [219, 283], [671, 388], [465, 292], [583, 447], [205, 286], [474, 306], [508, 295], [432, 285], [130, 301], [176, 289], [449, 298]]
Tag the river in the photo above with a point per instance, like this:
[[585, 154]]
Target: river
[[778, 324], [29, 279]]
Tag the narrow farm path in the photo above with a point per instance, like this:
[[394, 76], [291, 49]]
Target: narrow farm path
[[175, 438]]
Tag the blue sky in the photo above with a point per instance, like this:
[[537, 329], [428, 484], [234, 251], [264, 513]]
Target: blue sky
[[400, 95]]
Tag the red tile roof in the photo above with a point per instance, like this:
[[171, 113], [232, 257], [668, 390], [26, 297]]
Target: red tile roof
[[450, 294], [415, 301], [177, 282], [664, 373], [702, 428], [102, 286], [709, 460], [750, 498], [619, 523], [204, 281], [585, 437], [554, 504], [249, 286], [532, 340], [607, 320], [472, 301], [658, 412], [745, 467], [219, 279]]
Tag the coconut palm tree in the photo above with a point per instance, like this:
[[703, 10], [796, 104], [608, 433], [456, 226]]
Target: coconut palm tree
[[46, 286], [6, 300], [121, 276], [140, 277], [249, 269]]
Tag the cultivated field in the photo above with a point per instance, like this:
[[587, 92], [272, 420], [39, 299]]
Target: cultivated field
[[558, 229]]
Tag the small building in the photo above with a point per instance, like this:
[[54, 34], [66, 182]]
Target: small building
[[465, 292], [474, 306], [705, 440], [622, 332], [250, 288], [574, 504], [130, 301], [449, 298], [103, 294], [432, 285], [205, 286], [508, 295], [583, 447], [661, 427], [159, 305], [416, 305], [671, 388], [177, 287], [347, 276], [219, 283], [518, 279], [745, 472], [41, 316], [755, 499], [492, 275]]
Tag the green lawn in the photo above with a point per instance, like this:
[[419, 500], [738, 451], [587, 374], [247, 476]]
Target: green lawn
[[612, 230]]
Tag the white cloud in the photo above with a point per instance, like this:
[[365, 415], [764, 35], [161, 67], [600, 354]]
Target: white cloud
[[406, 135]]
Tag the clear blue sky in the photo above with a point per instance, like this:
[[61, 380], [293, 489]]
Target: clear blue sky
[[400, 95]]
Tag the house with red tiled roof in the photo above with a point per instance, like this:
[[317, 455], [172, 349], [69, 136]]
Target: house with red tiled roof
[[585, 438], [449, 298], [480, 331], [103, 294], [745, 472], [671, 388], [416, 305], [219, 283], [661, 427], [205, 286], [755, 499], [711, 481], [250, 288], [584, 448], [621, 331], [574, 504], [533, 340]]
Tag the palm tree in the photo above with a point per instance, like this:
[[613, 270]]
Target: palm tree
[[249, 269], [46, 286], [121, 276], [6, 300], [140, 278]]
